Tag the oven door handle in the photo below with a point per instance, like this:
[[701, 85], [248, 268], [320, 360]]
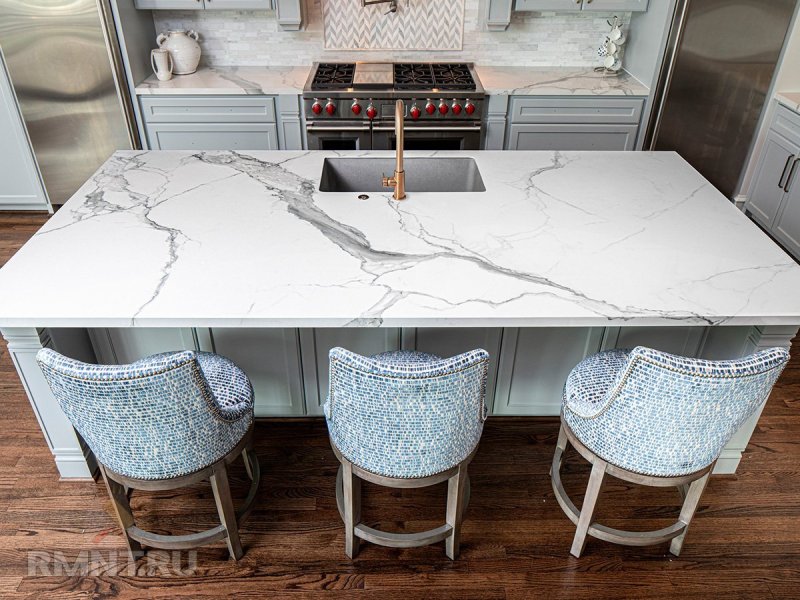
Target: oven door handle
[[459, 128], [340, 128]]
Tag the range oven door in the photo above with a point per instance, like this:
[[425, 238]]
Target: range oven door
[[463, 136], [339, 135]]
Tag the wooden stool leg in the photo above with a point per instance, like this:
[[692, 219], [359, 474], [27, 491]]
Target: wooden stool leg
[[246, 458], [227, 514], [560, 445], [690, 502], [351, 486], [589, 503], [456, 487], [122, 510]]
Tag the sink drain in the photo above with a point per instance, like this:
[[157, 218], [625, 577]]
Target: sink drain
[[363, 197]]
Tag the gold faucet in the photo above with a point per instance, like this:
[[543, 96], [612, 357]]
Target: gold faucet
[[398, 182]]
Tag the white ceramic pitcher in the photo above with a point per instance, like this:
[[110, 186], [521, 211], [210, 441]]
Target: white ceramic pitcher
[[183, 48], [161, 61]]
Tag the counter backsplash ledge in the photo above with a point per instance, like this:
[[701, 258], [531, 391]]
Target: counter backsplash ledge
[[252, 38]]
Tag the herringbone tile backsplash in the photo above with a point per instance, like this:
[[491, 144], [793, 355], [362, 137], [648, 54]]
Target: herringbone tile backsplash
[[247, 38], [417, 25]]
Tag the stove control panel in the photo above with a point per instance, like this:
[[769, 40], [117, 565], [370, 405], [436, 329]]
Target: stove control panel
[[369, 109]]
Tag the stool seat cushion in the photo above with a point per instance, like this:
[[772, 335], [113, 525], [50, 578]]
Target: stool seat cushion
[[406, 414]]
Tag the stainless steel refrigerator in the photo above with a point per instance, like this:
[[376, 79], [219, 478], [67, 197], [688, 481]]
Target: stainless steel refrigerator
[[714, 82], [65, 66]]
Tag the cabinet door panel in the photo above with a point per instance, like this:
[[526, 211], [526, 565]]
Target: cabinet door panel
[[122, 346], [607, 5], [20, 186], [572, 137], [238, 4], [787, 225], [317, 343], [524, 5], [683, 341], [765, 199], [271, 359], [208, 109], [534, 364], [447, 342], [212, 136], [560, 110]]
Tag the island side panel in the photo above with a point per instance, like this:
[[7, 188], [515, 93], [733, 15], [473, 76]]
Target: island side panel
[[73, 459], [758, 338]]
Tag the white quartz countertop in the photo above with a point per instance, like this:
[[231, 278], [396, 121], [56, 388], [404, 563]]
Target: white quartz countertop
[[230, 81], [789, 99], [558, 81], [545, 81], [246, 239]]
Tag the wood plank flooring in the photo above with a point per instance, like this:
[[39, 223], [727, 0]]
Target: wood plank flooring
[[744, 543]]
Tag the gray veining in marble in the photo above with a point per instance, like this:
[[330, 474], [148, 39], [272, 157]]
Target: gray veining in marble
[[245, 239], [230, 80], [558, 81]]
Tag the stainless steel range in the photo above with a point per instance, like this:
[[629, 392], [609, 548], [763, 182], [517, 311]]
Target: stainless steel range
[[350, 106]]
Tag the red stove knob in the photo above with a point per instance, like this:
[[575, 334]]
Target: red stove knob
[[443, 108], [456, 107], [316, 108], [415, 112], [469, 107], [371, 112], [356, 107], [330, 107], [430, 108]]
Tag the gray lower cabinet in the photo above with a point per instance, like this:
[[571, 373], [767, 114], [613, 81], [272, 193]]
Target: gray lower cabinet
[[212, 136], [558, 123], [222, 122], [571, 136], [774, 201], [20, 185]]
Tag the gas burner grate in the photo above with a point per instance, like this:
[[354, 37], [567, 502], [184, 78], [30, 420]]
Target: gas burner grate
[[413, 76], [333, 76], [452, 76]]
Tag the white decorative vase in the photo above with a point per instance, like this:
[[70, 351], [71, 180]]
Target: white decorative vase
[[183, 48]]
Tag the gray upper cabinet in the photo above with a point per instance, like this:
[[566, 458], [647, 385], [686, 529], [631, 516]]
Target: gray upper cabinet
[[774, 201], [20, 185], [288, 13], [594, 5]]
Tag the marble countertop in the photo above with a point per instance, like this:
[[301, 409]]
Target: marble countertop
[[245, 240], [558, 81], [789, 99], [568, 81], [230, 81]]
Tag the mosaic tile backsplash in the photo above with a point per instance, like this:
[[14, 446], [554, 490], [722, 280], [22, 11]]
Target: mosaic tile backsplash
[[253, 38], [417, 25]]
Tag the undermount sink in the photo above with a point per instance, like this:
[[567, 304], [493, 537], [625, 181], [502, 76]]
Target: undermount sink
[[423, 174]]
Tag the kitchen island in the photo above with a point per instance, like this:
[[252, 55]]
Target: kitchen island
[[562, 255]]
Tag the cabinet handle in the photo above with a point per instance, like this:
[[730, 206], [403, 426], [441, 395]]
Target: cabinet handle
[[786, 166], [790, 178]]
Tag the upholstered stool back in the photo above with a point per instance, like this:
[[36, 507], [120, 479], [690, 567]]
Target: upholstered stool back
[[667, 415], [154, 419], [406, 414]]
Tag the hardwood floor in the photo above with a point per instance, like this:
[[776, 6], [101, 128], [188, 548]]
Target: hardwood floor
[[744, 543]]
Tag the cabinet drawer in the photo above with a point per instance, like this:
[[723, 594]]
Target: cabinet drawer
[[575, 110], [208, 109], [212, 136], [787, 123], [572, 137]]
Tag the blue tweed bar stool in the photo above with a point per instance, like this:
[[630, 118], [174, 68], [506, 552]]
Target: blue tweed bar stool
[[655, 419], [405, 420], [164, 422]]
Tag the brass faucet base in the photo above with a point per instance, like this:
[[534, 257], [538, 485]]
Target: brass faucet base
[[398, 182]]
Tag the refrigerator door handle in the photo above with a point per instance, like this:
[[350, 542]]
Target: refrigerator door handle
[[790, 178], [783, 173]]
